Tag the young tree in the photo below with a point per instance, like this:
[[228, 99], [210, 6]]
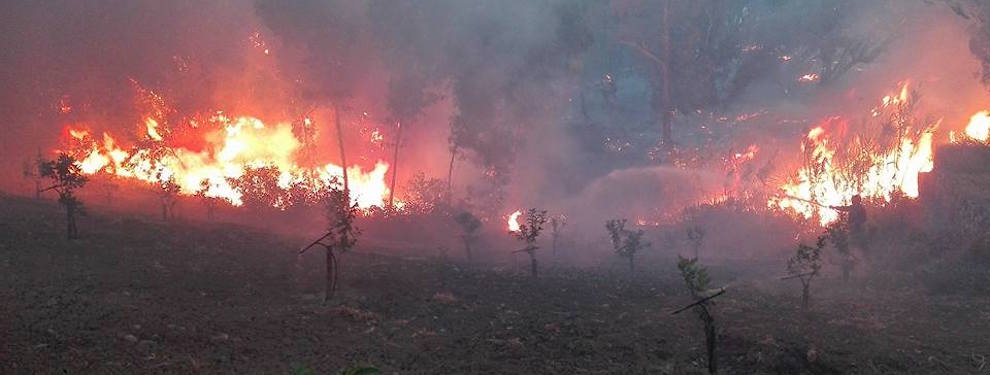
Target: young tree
[[625, 243], [341, 235], [557, 223], [697, 280], [837, 234], [804, 265], [66, 178], [528, 234], [696, 234], [168, 193], [32, 170], [209, 202], [470, 225]]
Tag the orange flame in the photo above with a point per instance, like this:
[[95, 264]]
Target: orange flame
[[979, 126], [832, 180], [234, 145]]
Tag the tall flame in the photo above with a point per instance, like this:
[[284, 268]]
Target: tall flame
[[979, 126], [234, 145], [839, 166]]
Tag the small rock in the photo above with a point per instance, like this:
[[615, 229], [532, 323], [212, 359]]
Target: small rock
[[146, 344], [136, 327], [130, 337]]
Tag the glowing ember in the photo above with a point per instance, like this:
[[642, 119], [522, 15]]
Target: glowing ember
[[514, 221], [232, 145], [839, 166], [979, 127], [809, 78]]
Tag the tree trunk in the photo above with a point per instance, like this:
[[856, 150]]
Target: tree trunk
[[450, 173], [532, 264], [710, 338], [553, 244], [164, 211], [71, 230], [666, 116], [331, 282], [632, 263], [805, 294], [467, 248], [37, 188], [340, 144], [395, 165]]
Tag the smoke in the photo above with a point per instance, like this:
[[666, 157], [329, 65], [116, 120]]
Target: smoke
[[514, 87]]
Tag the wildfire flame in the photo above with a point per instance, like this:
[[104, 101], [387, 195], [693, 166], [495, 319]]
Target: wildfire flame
[[514, 221], [839, 166], [232, 145], [979, 126]]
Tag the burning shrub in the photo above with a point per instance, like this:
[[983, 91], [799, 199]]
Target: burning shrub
[[66, 177], [625, 243], [804, 265], [426, 196], [528, 232], [469, 230]]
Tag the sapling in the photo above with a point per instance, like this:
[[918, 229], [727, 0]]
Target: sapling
[[697, 280], [529, 232], [168, 192], [625, 243], [804, 265], [209, 202], [469, 230], [838, 235], [557, 223], [66, 177], [341, 233]]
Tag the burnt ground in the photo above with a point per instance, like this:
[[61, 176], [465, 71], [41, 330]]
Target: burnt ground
[[136, 295]]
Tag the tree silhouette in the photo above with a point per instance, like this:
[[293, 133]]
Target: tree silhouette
[[66, 178]]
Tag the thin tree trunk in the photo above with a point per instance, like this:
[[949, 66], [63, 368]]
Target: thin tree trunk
[[467, 248], [805, 294], [532, 264], [450, 172], [553, 244], [666, 107], [395, 165], [632, 263], [340, 144], [331, 282], [710, 338], [37, 189], [70, 226]]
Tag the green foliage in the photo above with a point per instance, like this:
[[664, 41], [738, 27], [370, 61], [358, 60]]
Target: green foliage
[[807, 259], [530, 230], [341, 215], [695, 275], [426, 195], [625, 243], [360, 371], [468, 222]]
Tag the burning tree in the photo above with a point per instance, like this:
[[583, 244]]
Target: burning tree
[[557, 223], [529, 232], [804, 266], [341, 233], [66, 177], [697, 280], [625, 243], [470, 225]]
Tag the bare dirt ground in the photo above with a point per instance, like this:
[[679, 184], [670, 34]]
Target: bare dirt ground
[[136, 295]]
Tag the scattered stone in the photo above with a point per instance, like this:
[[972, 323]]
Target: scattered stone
[[130, 337], [220, 337]]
